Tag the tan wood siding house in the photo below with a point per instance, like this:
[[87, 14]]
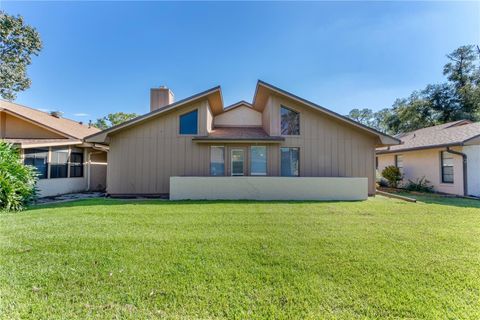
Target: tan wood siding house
[[146, 152]]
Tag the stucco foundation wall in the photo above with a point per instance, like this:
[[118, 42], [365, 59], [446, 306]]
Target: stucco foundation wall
[[268, 188], [420, 163], [473, 169], [53, 187]]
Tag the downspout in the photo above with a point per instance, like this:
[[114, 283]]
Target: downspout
[[465, 180]]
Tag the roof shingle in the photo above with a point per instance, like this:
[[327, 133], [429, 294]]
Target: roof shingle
[[63, 125], [447, 134]]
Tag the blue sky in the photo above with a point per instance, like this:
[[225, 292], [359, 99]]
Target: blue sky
[[102, 57]]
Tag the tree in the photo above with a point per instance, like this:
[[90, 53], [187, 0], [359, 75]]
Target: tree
[[456, 99], [113, 119], [463, 72], [18, 42], [17, 181], [364, 116]]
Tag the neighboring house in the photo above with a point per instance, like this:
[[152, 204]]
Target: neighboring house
[[241, 151], [54, 145], [448, 155]]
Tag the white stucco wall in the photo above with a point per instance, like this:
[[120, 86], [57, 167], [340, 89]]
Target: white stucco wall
[[53, 187], [241, 116], [268, 188], [473, 169]]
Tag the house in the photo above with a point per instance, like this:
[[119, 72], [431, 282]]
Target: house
[[448, 155], [280, 146], [55, 146]]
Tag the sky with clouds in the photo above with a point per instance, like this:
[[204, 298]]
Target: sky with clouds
[[103, 57]]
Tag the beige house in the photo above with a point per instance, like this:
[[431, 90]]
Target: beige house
[[198, 149], [54, 145], [447, 155]]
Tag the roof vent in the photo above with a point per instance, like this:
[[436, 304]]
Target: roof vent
[[56, 114]]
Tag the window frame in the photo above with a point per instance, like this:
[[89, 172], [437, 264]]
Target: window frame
[[251, 161], [299, 121], [45, 150], [52, 163], [231, 162], [401, 169], [298, 152], [224, 158], [74, 165], [442, 167], [180, 123]]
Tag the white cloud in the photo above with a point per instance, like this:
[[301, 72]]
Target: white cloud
[[81, 114]]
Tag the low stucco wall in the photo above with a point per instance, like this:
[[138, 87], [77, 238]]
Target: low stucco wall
[[53, 187], [268, 188]]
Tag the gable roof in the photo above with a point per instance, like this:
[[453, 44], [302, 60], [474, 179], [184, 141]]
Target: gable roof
[[238, 104], [214, 95], [261, 96], [444, 135], [63, 126]]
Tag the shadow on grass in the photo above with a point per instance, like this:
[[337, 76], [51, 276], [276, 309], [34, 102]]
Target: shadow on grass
[[163, 202], [433, 198]]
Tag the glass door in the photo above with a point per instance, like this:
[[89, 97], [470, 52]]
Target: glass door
[[238, 158]]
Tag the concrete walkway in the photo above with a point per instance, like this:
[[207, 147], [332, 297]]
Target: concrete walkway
[[70, 197]]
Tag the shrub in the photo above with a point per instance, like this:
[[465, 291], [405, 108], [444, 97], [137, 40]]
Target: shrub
[[17, 181], [393, 175], [421, 185]]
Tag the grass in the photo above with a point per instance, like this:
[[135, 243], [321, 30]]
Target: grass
[[381, 258]]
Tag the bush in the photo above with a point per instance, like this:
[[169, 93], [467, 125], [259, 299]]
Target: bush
[[393, 175], [17, 181], [421, 185]]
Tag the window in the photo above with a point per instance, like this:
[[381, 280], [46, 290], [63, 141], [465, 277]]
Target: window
[[76, 163], [189, 123], [399, 162], [237, 162], [39, 159], [447, 167], [217, 161], [258, 161], [59, 164], [290, 122], [289, 158]]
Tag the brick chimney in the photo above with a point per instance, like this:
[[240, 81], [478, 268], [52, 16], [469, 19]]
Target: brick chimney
[[160, 97]]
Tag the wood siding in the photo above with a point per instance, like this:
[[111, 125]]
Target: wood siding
[[143, 158], [14, 127]]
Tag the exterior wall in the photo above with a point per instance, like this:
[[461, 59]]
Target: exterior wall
[[240, 116], [268, 188], [420, 163], [143, 158], [53, 187], [328, 147], [473, 169], [21, 129]]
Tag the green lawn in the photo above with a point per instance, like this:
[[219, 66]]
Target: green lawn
[[380, 258]]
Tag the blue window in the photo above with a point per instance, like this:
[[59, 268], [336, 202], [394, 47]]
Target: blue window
[[258, 160], [289, 162], [39, 159], [189, 123]]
